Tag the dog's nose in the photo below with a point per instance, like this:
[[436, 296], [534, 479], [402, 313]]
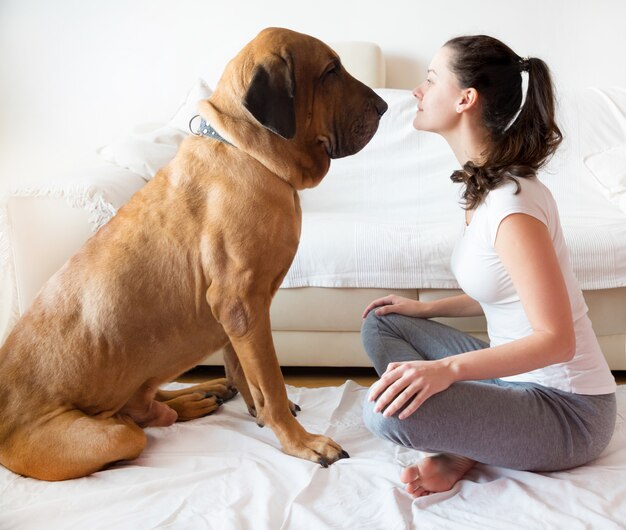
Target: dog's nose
[[381, 106]]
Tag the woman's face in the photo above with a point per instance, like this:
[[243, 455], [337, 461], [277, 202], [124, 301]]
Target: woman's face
[[438, 97]]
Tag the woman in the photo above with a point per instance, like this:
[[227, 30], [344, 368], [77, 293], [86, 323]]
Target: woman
[[540, 396]]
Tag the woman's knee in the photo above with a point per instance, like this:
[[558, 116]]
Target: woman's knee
[[389, 338], [388, 428], [379, 338], [370, 324], [376, 329], [375, 422], [393, 325], [371, 337]]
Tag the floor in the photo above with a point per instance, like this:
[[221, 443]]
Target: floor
[[316, 377], [295, 376]]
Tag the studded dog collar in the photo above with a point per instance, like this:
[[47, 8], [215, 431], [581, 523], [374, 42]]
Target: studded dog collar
[[206, 130]]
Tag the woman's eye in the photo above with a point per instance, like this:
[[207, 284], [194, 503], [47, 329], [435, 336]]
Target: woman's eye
[[429, 82]]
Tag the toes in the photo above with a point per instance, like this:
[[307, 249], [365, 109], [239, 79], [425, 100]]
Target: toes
[[418, 492], [195, 405], [328, 451], [211, 400], [201, 408], [324, 461], [410, 474], [218, 399], [228, 392], [220, 387], [417, 489], [294, 408]]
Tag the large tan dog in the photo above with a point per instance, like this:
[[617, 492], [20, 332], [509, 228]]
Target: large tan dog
[[188, 266]]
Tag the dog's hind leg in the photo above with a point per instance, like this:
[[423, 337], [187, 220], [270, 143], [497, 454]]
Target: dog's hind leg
[[236, 377], [71, 445]]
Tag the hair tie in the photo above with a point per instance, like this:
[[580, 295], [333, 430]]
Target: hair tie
[[524, 64], [525, 82]]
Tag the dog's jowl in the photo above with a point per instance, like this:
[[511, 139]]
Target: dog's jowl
[[188, 267]]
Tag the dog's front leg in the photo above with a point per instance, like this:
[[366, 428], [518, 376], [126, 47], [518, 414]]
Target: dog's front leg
[[247, 322], [236, 377]]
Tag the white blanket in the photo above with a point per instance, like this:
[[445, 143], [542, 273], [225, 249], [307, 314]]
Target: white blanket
[[222, 472]]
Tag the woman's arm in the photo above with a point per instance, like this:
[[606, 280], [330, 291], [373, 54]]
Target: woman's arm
[[526, 250], [452, 306], [455, 306]]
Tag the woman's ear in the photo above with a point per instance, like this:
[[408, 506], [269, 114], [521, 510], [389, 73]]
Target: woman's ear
[[468, 99]]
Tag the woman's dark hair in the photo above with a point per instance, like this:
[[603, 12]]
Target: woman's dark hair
[[518, 146]]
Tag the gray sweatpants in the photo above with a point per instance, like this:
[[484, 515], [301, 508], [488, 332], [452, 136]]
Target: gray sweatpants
[[516, 425]]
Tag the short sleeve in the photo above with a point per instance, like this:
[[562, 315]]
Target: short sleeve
[[503, 201]]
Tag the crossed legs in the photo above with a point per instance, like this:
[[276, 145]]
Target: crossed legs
[[516, 425]]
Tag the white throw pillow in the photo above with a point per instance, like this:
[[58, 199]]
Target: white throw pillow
[[609, 169], [189, 107], [146, 153], [600, 125], [593, 121]]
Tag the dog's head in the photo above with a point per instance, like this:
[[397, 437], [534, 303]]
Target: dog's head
[[287, 100]]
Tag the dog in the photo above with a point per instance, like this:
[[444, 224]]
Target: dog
[[187, 267]]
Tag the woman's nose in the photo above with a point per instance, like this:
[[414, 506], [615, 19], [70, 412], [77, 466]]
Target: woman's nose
[[417, 92]]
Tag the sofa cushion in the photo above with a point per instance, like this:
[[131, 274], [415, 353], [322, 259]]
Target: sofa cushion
[[320, 309]]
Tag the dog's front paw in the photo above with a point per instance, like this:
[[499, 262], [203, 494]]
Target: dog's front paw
[[317, 448]]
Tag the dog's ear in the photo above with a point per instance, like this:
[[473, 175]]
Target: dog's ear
[[270, 97]]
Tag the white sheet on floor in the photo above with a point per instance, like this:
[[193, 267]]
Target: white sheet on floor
[[223, 472]]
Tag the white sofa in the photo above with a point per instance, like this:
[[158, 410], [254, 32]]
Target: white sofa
[[382, 221]]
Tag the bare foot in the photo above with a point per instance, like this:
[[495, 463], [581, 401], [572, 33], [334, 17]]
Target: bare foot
[[435, 473]]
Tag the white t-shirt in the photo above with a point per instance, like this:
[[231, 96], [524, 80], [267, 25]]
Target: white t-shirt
[[481, 275]]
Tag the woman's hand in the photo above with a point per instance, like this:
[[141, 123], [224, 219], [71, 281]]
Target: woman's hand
[[397, 304], [410, 382]]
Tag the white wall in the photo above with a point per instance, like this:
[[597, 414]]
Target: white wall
[[74, 74]]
